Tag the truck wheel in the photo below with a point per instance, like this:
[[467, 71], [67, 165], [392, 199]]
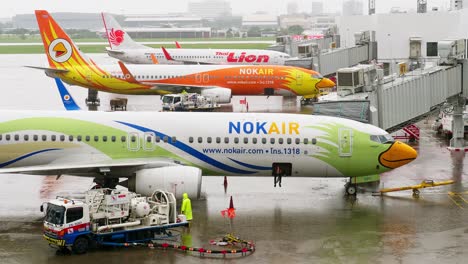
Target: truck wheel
[[81, 245]]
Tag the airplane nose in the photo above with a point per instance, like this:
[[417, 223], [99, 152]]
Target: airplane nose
[[397, 155], [325, 83]]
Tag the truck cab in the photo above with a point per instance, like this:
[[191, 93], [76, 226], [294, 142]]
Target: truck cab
[[67, 224]]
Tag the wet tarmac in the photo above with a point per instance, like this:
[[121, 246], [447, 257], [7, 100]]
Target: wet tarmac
[[305, 221]]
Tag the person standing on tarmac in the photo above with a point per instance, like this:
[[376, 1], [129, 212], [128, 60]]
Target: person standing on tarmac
[[186, 208]]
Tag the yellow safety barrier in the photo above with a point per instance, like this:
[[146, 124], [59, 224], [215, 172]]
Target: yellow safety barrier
[[415, 188]]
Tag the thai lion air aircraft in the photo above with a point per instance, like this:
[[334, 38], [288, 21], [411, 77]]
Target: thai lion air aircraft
[[68, 63], [161, 150], [122, 47]]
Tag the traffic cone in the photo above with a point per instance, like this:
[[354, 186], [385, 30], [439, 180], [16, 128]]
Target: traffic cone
[[231, 204], [225, 181]]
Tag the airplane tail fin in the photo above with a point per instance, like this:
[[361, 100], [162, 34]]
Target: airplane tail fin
[[178, 45], [67, 99], [116, 35], [61, 52]]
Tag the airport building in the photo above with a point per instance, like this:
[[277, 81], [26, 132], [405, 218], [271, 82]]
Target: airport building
[[90, 21], [170, 20], [210, 9]]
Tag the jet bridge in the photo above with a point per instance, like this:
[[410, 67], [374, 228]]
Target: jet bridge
[[403, 98], [323, 56]]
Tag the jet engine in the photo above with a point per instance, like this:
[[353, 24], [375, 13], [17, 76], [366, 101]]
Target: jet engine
[[220, 95], [175, 179]]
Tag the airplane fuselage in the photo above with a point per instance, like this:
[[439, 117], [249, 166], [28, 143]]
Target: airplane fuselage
[[163, 79], [211, 56], [217, 143]]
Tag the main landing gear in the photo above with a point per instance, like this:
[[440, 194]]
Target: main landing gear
[[105, 182]]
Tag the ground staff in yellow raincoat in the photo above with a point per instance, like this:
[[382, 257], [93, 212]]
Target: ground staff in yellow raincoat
[[187, 207]]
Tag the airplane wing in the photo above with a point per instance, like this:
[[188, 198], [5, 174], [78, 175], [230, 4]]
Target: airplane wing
[[170, 58], [92, 168]]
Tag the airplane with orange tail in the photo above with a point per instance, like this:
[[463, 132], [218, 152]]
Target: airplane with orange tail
[[72, 66]]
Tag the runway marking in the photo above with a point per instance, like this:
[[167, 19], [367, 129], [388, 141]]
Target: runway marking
[[458, 199]]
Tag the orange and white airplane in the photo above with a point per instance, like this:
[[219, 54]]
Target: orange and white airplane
[[68, 63], [124, 48]]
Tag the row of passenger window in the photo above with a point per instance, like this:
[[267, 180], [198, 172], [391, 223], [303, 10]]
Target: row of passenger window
[[149, 139], [80, 138], [211, 77], [254, 140]]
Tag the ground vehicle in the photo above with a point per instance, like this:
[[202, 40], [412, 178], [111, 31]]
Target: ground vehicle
[[107, 217], [188, 102]]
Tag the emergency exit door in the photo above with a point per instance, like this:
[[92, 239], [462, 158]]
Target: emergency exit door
[[345, 139]]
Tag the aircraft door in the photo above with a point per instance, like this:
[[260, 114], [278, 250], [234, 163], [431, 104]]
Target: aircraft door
[[198, 78], [149, 142], [345, 147], [206, 77], [133, 141], [299, 79]]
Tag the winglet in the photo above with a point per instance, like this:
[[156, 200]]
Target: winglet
[[153, 58], [177, 45], [67, 99], [166, 54], [127, 74]]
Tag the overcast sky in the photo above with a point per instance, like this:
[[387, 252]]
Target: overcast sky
[[10, 8]]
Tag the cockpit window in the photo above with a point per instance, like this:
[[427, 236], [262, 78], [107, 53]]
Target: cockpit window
[[316, 75], [384, 139]]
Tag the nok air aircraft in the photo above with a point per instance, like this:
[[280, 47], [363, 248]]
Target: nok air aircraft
[[160, 150], [68, 63]]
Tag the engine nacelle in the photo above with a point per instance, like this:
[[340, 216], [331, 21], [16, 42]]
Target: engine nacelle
[[219, 95], [175, 179]]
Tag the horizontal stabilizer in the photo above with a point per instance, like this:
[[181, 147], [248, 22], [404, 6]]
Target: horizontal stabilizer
[[51, 70], [117, 52]]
